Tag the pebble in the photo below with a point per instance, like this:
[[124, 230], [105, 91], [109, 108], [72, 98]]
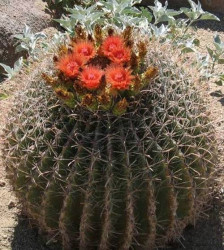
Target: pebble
[[2, 183], [4, 236], [11, 205]]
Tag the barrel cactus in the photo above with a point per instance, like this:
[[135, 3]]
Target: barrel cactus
[[108, 167]]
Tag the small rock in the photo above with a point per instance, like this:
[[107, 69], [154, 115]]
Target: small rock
[[11, 205], [4, 237], [2, 183]]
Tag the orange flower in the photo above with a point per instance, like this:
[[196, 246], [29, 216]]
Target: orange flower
[[91, 77], [112, 43], [120, 55], [85, 48], [70, 65], [119, 77]]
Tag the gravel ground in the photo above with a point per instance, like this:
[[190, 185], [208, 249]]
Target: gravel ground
[[208, 233]]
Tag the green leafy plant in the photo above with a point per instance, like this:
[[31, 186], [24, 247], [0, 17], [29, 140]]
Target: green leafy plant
[[124, 13], [207, 63], [57, 39], [163, 14], [87, 16], [27, 41], [177, 29], [11, 72], [57, 7], [196, 13], [217, 57], [106, 13]]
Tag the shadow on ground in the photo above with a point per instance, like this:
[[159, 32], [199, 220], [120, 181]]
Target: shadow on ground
[[206, 235], [26, 237], [220, 95]]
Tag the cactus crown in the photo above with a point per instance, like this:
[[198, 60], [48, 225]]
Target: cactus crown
[[102, 71]]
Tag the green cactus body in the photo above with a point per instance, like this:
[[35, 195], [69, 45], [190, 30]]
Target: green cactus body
[[96, 180]]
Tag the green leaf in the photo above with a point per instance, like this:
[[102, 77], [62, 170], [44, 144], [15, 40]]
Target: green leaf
[[218, 44], [164, 18], [210, 51], [21, 47], [196, 42], [191, 15], [171, 12], [187, 50], [221, 77], [147, 14], [209, 16], [217, 39], [18, 64], [221, 61], [7, 68], [193, 5], [18, 36], [136, 2], [65, 24], [219, 83], [3, 96]]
